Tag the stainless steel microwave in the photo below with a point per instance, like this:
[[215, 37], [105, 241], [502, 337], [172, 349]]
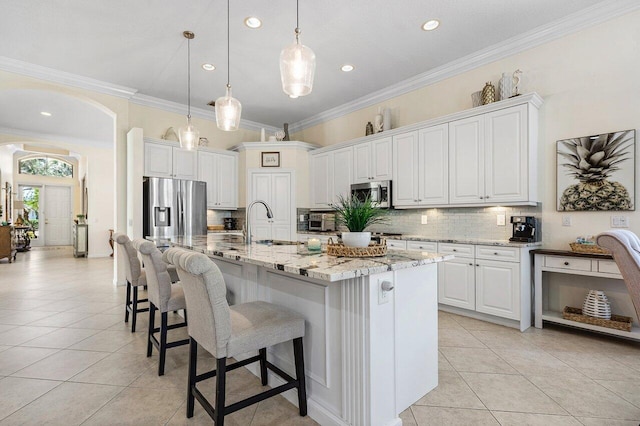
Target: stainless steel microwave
[[378, 192]]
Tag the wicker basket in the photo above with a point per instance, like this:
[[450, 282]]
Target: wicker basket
[[340, 250], [617, 322], [588, 248]]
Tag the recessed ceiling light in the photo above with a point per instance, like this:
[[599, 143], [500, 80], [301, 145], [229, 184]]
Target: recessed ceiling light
[[431, 25], [208, 67], [347, 68], [45, 113], [252, 22]]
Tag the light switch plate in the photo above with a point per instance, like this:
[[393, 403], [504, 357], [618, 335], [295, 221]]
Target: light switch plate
[[566, 220], [619, 221], [424, 219], [501, 219]]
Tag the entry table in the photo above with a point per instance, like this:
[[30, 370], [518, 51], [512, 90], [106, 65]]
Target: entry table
[[569, 262]]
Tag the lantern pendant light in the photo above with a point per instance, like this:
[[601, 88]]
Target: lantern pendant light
[[189, 135], [297, 66], [228, 108]]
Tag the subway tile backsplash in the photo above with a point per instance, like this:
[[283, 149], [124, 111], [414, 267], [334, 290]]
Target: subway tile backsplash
[[461, 223]]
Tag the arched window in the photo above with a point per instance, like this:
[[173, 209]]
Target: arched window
[[45, 166]]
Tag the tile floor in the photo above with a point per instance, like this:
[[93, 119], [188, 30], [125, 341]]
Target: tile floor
[[67, 358]]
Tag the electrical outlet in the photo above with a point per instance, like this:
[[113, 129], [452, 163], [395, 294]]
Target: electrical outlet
[[384, 291], [566, 220], [501, 219], [619, 221], [424, 219]]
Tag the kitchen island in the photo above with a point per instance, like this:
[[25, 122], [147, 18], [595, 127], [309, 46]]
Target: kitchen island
[[369, 353]]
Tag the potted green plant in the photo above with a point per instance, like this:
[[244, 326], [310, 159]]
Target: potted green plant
[[357, 215]]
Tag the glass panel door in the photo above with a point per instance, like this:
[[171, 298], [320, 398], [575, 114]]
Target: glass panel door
[[31, 212]]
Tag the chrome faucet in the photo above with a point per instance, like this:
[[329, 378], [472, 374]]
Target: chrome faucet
[[247, 226]]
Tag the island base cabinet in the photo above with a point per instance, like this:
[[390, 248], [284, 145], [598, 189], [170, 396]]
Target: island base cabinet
[[359, 349], [498, 288]]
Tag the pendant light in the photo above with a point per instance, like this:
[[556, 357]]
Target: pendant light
[[297, 66], [228, 108], [189, 135]]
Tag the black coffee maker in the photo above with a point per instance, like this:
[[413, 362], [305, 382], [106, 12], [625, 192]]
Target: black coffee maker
[[526, 229]]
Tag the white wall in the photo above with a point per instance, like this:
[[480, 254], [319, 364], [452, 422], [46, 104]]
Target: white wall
[[589, 83], [6, 176]]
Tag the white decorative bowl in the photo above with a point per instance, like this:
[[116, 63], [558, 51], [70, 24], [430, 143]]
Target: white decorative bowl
[[356, 239]]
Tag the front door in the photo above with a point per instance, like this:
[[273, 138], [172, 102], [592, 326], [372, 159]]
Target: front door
[[32, 212], [58, 215]]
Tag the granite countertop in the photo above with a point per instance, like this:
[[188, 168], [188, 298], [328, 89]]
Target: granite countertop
[[474, 241], [296, 259]]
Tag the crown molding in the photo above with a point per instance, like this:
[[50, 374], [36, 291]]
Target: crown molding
[[62, 77], [202, 113], [45, 137], [248, 146], [593, 15]]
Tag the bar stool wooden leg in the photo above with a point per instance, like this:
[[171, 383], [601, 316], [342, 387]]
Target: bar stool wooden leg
[[302, 390], [263, 366], [152, 324], [127, 302], [193, 358], [134, 311], [221, 376], [163, 343]]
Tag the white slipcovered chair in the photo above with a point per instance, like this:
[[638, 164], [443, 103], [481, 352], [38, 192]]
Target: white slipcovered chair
[[625, 248], [226, 331], [164, 297]]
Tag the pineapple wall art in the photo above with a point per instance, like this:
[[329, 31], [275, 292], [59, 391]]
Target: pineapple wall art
[[597, 173]]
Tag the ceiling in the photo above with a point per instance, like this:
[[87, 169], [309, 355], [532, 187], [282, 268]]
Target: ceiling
[[139, 44]]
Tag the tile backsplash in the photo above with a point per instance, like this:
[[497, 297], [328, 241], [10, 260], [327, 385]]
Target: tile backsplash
[[467, 222]]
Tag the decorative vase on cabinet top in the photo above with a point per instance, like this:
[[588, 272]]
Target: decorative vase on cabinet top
[[506, 86], [488, 94]]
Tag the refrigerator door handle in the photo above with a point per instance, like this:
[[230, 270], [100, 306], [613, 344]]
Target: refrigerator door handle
[[179, 213]]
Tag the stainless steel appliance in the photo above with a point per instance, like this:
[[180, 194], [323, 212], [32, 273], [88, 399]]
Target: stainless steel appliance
[[173, 207], [322, 222], [378, 192], [526, 229]]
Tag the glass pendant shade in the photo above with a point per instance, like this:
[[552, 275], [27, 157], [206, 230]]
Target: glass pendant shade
[[228, 111], [297, 68], [189, 136]]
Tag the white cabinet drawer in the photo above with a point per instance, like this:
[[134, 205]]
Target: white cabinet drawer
[[508, 254], [608, 267], [573, 263], [397, 244], [422, 246], [459, 250]]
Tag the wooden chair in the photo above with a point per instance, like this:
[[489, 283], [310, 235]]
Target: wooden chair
[[625, 247], [226, 331]]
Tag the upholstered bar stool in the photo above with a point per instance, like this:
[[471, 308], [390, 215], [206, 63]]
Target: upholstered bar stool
[[229, 331], [136, 277], [164, 297]]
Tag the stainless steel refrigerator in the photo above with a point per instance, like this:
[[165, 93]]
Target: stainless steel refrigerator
[[174, 207]]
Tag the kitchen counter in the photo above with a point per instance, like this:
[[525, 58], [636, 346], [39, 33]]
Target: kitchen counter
[[369, 322], [296, 259], [409, 237]]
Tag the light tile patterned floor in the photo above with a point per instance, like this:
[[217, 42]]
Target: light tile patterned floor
[[67, 358]]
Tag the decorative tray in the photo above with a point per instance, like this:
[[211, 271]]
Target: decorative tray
[[340, 250], [588, 248], [617, 322]]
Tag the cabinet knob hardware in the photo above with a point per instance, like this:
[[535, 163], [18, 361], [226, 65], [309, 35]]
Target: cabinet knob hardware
[[455, 250], [566, 263], [482, 198], [486, 196], [420, 247], [477, 264], [496, 253], [471, 264]]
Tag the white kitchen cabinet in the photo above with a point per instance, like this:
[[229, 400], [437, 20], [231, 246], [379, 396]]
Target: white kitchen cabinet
[[420, 167], [331, 177], [372, 161], [276, 189], [489, 158], [498, 288], [168, 161], [456, 277], [494, 282], [220, 172]]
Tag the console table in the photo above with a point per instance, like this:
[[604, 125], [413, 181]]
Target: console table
[[568, 262]]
